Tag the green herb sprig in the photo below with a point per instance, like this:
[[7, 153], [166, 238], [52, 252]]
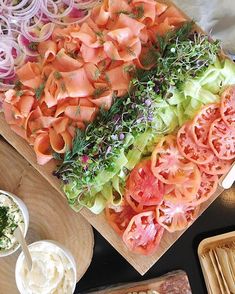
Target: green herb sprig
[[3, 219], [39, 91]]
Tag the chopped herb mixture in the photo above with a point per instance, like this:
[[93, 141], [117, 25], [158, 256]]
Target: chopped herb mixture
[[10, 218]]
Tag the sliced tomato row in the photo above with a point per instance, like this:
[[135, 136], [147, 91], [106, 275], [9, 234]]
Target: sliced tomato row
[[166, 190], [210, 137]]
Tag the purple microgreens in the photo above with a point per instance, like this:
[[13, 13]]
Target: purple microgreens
[[114, 137], [84, 159], [108, 151], [148, 102], [121, 136]]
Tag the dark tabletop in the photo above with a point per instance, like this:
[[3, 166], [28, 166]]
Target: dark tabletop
[[109, 267]]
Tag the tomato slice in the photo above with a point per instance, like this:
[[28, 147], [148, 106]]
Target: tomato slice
[[208, 186], [190, 149], [185, 192], [143, 186], [176, 216], [138, 207], [119, 216], [216, 166], [202, 122], [168, 164], [228, 106], [222, 140], [143, 233]]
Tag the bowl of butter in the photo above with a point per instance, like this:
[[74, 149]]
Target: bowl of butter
[[53, 269]]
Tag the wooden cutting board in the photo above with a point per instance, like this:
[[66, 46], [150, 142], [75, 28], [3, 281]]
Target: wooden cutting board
[[49, 216], [141, 263], [172, 283]]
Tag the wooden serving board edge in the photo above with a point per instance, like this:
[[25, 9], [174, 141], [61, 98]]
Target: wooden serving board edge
[[141, 263]]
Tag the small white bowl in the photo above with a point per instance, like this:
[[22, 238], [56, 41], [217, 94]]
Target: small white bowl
[[25, 214], [57, 246]]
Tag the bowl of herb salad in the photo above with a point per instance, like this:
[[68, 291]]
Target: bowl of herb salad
[[13, 213]]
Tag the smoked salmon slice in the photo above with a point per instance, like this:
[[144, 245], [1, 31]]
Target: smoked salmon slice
[[77, 84], [118, 78], [81, 113], [47, 50], [60, 142], [30, 75], [42, 148], [63, 62]]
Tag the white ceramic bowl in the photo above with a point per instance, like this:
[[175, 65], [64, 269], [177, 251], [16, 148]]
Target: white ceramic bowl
[[64, 250], [25, 214]]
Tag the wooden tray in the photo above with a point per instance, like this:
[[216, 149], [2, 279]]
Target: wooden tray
[[49, 216], [211, 243], [176, 279], [141, 263]]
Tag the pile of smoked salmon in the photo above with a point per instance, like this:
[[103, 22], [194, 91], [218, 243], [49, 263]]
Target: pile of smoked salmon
[[80, 69]]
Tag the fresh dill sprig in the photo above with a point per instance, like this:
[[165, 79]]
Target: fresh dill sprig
[[39, 91], [33, 46], [3, 219]]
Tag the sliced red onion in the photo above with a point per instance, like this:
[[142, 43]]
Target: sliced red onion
[[65, 23], [5, 27], [44, 34], [47, 4], [25, 45], [81, 4], [32, 21], [6, 4]]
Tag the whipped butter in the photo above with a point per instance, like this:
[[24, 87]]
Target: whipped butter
[[52, 271]]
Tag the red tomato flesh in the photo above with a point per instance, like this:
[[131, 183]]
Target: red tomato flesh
[[228, 106], [208, 186], [136, 206], [222, 140], [119, 216], [143, 233], [186, 191], [202, 122], [168, 164], [143, 186], [176, 216], [190, 149], [216, 166]]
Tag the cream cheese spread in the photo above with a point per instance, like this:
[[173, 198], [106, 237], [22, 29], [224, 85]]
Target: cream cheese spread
[[51, 273]]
